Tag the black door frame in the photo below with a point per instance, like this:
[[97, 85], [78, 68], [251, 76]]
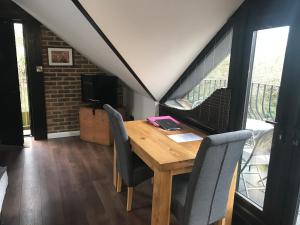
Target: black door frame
[[275, 197], [35, 79], [286, 192], [11, 132], [31, 28]]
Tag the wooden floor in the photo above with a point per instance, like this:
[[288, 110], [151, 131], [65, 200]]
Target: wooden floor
[[68, 182]]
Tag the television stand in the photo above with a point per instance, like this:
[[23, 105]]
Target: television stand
[[94, 125]]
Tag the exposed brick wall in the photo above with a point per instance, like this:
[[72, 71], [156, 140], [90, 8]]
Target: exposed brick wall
[[63, 86]]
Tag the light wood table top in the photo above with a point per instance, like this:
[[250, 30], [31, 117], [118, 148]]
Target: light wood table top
[[159, 151]]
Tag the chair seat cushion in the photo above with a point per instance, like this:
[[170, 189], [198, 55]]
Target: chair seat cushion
[[141, 172], [179, 191]]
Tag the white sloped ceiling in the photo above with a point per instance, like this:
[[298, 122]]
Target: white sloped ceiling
[[158, 39], [64, 19]]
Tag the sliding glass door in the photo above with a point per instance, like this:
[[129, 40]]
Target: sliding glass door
[[269, 179], [267, 58]]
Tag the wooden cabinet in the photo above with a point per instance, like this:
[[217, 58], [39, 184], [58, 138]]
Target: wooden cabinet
[[94, 126]]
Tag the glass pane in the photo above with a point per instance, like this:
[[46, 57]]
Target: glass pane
[[205, 76], [19, 40], [216, 79], [269, 53]]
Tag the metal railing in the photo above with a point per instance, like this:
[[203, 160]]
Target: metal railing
[[203, 90], [263, 101], [262, 98]]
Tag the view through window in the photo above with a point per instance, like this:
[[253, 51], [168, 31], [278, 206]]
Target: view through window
[[216, 79], [19, 40], [266, 72], [205, 77]]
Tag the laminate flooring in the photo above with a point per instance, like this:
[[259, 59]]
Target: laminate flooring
[[68, 182]]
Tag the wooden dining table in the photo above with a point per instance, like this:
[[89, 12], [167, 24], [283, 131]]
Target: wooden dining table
[[167, 158]]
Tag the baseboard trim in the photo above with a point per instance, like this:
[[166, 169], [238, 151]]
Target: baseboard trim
[[63, 134]]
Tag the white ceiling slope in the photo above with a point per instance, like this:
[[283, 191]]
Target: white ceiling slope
[[64, 19], [160, 38]]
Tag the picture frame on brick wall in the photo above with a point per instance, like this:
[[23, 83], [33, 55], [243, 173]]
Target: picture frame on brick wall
[[60, 56]]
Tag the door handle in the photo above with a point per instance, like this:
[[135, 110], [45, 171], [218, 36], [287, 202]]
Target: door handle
[[295, 138], [282, 137], [271, 122]]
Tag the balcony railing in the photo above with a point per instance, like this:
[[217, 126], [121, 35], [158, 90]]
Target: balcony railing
[[262, 100], [203, 90]]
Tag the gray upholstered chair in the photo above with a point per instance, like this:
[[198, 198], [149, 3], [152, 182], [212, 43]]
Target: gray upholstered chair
[[200, 198], [130, 167]]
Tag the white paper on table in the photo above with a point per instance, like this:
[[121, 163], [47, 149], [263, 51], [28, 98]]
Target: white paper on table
[[185, 137]]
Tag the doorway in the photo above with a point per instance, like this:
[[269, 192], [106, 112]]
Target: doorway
[[11, 132], [269, 178], [22, 96], [265, 72], [30, 113], [23, 78]]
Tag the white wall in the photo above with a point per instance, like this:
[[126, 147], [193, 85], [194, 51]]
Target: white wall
[[139, 106], [160, 38], [66, 21]]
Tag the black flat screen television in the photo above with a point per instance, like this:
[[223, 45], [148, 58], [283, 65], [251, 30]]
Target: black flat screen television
[[99, 88]]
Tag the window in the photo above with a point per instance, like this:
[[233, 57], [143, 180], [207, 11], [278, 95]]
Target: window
[[216, 79], [206, 76]]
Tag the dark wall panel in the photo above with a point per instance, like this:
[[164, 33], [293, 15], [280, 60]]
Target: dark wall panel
[[11, 131]]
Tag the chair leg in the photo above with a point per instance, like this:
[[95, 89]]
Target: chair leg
[[129, 198], [119, 182]]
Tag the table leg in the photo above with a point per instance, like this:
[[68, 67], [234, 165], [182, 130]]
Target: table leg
[[222, 222], [119, 182], [161, 202], [228, 218], [115, 167]]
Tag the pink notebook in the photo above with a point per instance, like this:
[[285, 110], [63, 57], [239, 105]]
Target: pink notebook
[[152, 119]]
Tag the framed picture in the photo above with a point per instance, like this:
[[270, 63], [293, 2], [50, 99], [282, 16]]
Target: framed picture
[[60, 56]]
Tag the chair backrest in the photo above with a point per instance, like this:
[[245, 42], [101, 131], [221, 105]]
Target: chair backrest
[[211, 177], [122, 145], [263, 143]]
